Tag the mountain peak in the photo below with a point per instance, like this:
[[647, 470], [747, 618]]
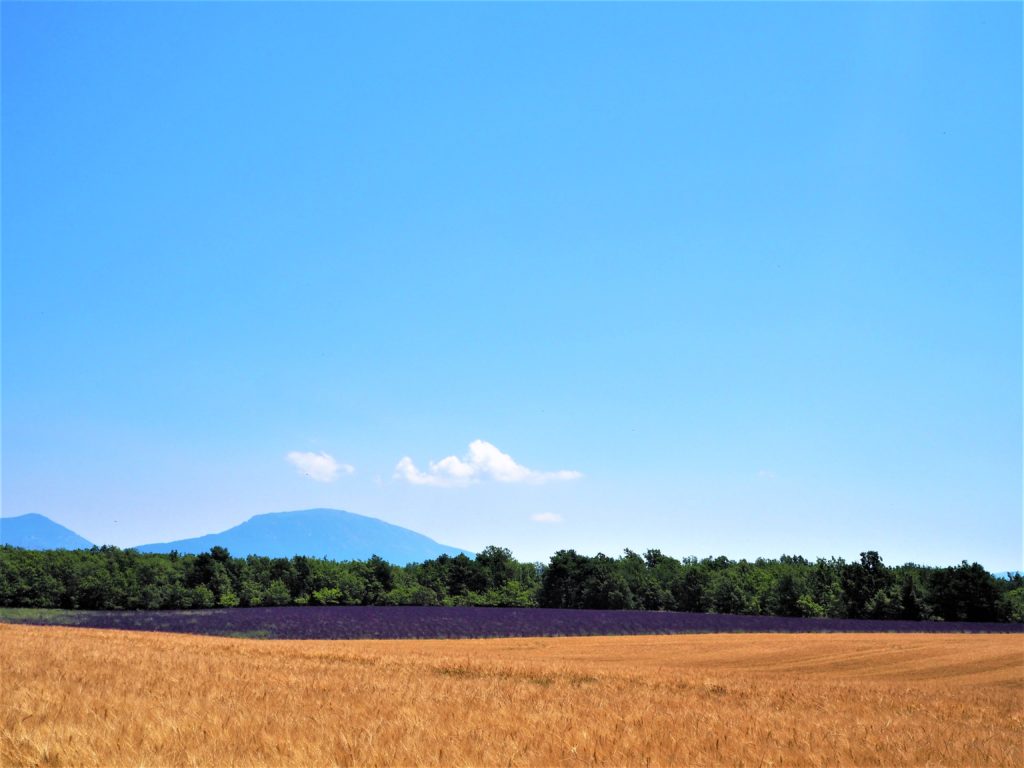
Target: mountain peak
[[316, 512], [321, 532], [34, 531]]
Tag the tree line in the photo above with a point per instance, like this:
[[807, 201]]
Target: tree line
[[109, 578]]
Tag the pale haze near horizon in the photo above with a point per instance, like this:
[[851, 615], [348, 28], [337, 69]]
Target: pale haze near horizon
[[714, 279]]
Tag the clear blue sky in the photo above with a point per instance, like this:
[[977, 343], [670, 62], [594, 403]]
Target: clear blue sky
[[752, 271]]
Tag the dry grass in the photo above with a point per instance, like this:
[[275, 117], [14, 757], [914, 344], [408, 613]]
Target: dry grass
[[103, 697]]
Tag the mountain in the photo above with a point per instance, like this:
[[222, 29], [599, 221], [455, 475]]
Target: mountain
[[38, 532], [329, 533]]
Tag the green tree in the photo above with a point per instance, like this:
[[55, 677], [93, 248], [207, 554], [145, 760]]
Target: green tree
[[861, 582], [277, 593], [1013, 605], [201, 596], [964, 593], [561, 582]]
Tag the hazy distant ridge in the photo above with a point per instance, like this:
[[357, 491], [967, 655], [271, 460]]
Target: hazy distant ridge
[[38, 532], [328, 533]]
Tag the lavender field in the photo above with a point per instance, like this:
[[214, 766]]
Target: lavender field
[[398, 622]]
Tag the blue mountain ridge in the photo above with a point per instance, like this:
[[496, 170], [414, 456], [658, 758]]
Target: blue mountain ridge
[[38, 532], [328, 533]]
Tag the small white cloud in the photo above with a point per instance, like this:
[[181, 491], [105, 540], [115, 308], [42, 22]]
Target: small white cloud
[[321, 467], [483, 461], [546, 517], [406, 470], [765, 474]]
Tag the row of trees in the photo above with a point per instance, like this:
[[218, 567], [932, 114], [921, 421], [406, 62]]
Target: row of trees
[[789, 586], [115, 579]]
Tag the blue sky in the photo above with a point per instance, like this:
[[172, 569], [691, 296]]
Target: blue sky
[[718, 279]]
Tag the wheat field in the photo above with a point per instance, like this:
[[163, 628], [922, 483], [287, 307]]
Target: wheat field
[[80, 697]]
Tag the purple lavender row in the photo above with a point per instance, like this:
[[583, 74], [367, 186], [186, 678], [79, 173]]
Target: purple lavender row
[[366, 622]]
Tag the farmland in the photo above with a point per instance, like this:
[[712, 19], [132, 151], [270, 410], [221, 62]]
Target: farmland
[[357, 623], [114, 698], [436, 622]]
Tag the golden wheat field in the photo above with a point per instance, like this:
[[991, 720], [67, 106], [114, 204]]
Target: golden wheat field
[[112, 698]]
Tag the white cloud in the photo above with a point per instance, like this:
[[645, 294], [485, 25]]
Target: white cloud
[[483, 461], [765, 474], [546, 517], [321, 467], [407, 470]]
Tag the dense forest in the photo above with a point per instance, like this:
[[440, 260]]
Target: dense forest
[[115, 579]]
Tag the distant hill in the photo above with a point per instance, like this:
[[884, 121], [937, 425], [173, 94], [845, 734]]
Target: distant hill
[[329, 533], [39, 532]]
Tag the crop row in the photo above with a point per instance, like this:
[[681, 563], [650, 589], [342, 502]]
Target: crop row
[[397, 622]]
